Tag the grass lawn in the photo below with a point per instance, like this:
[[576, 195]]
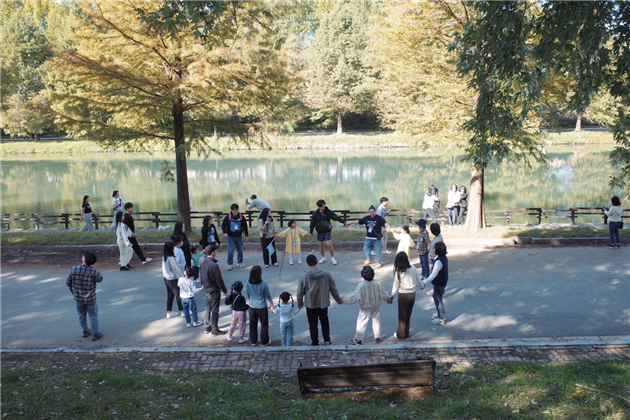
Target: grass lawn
[[74, 237], [503, 391]]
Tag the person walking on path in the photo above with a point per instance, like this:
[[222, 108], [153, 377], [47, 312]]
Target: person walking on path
[[239, 307], [187, 290], [258, 294], [383, 212], [431, 203], [463, 204], [124, 245], [314, 291], [257, 204], [405, 280], [82, 284], [320, 222], [374, 226], [294, 244], [267, 231], [209, 234], [119, 207], [614, 214], [369, 293], [405, 243], [453, 205], [233, 227], [128, 220], [286, 313], [180, 229], [439, 279], [172, 273], [213, 285], [423, 247], [86, 215]]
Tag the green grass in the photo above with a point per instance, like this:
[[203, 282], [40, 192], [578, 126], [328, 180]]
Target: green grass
[[73, 237], [507, 390]]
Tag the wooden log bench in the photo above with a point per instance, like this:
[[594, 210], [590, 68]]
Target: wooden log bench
[[404, 373]]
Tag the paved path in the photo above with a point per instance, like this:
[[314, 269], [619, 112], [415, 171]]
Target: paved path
[[505, 294]]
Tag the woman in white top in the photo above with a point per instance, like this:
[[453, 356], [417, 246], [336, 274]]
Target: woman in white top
[[124, 245], [118, 204], [431, 201], [614, 222], [452, 205], [405, 280]]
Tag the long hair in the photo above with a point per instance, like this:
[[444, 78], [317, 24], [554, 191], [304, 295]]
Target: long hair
[[265, 213], [284, 298], [169, 250], [205, 221], [178, 230], [255, 275], [85, 197], [119, 217], [401, 263]]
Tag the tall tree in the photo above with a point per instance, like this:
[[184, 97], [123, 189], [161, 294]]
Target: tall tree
[[125, 81], [337, 74]]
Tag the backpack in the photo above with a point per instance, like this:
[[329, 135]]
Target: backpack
[[236, 226]]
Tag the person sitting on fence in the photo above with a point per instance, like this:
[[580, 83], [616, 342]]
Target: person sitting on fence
[[257, 204], [86, 215], [293, 245]]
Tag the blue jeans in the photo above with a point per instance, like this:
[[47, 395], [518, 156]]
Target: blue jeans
[[235, 241], [377, 246], [424, 263], [613, 229], [286, 332], [438, 293], [85, 309], [190, 304], [452, 215]]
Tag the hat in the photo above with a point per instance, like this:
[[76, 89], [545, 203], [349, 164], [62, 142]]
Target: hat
[[210, 249], [253, 196], [422, 223]]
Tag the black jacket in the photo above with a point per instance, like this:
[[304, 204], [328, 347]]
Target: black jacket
[[225, 226], [211, 277], [326, 215], [238, 302], [204, 235]]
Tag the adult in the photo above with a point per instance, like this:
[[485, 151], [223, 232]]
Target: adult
[[258, 294], [172, 273], [209, 234], [314, 290], [463, 204], [614, 222], [405, 280], [128, 220], [118, 205], [86, 215], [320, 222], [267, 237], [82, 284], [453, 205], [233, 227], [124, 245], [436, 231], [257, 204], [439, 279], [213, 285], [431, 203], [383, 212], [180, 230], [374, 226]]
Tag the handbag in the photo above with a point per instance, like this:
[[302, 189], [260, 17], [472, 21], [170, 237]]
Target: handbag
[[621, 225]]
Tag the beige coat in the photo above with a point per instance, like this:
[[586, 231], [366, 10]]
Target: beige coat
[[293, 236]]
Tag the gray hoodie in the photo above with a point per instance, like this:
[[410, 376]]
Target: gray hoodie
[[316, 286]]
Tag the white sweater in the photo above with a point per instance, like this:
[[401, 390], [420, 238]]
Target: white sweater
[[407, 282], [614, 213]]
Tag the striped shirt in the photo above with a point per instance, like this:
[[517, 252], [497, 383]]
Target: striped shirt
[[82, 283]]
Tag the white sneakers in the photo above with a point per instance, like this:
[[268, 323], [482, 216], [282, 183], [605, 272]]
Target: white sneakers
[[147, 260], [322, 260], [387, 251], [334, 261], [172, 315], [241, 265], [230, 267]]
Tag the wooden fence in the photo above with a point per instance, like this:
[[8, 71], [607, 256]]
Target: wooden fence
[[282, 217]]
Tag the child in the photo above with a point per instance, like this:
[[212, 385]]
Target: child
[[286, 313], [369, 293], [197, 257], [239, 312], [293, 245], [187, 290], [179, 252], [405, 240], [423, 247], [437, 237]]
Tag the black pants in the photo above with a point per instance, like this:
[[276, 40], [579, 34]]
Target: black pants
[[264, 242], [255, 315], [136, 247], [405, 307], [313, 315], [172, 292], [213, 300]]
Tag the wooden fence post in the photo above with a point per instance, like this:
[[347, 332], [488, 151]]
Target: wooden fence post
[[540, 215], [66, 221], [36, 220], [7, 221]]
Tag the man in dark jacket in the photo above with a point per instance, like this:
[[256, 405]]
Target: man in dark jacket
[[314, 290], [213, 285], [320, 221], [233, 227]]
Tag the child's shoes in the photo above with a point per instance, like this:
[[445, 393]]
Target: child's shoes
[[228, 338]]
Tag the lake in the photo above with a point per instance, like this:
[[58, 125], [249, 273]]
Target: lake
[[295, 180]]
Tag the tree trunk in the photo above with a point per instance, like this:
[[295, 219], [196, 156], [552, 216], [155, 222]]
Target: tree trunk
[[36, 137], [216, 134], [476, 218], [339, 124], [578, 123], [181, 165]]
